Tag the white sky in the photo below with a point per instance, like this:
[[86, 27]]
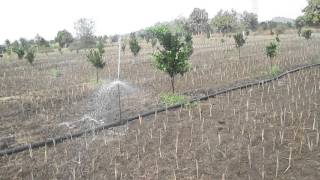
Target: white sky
[[26, 18]]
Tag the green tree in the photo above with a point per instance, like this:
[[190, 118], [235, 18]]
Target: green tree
[[300, 23], [271, 51], [30, 56], [307, 34], [249, 21], [134, 44], [225, 21], [100, 47], [173, 57], [7, 44], [239, 42], [198, 21], [64, 38], [312, 12], [95, 58], [18, 49]]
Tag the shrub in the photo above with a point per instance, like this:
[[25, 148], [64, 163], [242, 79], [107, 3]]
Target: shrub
[[19, 51], [170, 99], [275, 70], [307, 34], [30, 56]]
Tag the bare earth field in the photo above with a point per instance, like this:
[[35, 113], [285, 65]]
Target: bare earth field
[[270, 131]]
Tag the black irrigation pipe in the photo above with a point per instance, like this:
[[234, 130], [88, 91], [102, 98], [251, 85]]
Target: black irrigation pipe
[[60, 139]]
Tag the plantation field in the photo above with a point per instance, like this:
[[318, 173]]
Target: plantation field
[[210, 140], [269, 131]]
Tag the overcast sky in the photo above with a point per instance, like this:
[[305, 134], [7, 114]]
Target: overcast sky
[[26, 18]]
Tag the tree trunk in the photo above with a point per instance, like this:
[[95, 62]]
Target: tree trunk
[[97, 73], [172, 83], [239, 54], [270, 64]]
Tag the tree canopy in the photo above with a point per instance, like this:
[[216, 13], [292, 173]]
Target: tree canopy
[[312, 12], [198, 21], [176, 50]]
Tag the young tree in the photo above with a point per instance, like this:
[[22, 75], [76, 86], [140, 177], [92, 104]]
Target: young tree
[[100, 47], [134, 44], [225, 22], [307, 34], [64, 38], [300, 23], [30, 56], [8, 46], [19, 51], [123, 47], [95, 58], [271, 51], [239, 42], [175, 53]]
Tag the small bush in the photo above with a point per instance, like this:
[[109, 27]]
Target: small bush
[[30, 56], [170, 99], [19, 51], [275, 70], [307, 34]]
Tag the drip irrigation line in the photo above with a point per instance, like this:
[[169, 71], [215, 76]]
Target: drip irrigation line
[[61, 139]]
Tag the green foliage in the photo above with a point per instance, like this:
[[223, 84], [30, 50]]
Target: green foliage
[[307, 34], [134, 44], [95, 58], [170, 99], [275, 70], [30, 56], [271, 51], [176, 50], [312, 12], [64, 38], [278, 39], [249, 21], [239, 41], [225, 21], [19, 51], [100, 47], [198, 21]]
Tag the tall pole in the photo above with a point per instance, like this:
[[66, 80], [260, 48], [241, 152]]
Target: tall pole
[[119, 100]]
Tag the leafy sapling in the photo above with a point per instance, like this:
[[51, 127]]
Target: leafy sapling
[[95, 58], [134, 45], [173, 57], [239, 42], [271, 51]]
